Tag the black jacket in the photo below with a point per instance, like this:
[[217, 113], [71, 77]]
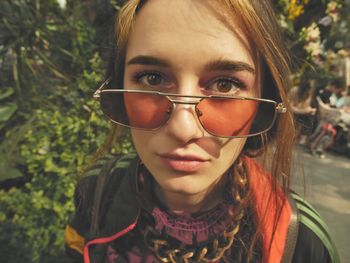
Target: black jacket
[[120, 207]]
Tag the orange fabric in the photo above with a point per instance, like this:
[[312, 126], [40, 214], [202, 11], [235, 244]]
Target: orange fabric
[[267, 207], [74, 240]]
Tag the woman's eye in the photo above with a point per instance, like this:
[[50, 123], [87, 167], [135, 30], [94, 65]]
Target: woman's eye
[[226, 85], [151, 79]]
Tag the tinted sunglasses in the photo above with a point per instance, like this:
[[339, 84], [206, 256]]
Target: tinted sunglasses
[[222, 116]]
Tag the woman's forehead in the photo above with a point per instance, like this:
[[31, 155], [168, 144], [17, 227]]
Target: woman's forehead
[[185, 29]]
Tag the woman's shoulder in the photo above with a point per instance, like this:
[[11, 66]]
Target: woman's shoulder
[[314, 243], [101, 182], [113, 166], [105, 175]]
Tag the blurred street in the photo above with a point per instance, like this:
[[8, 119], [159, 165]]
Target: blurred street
[[327, 188]]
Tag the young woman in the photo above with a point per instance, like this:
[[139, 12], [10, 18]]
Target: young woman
[[202, 86]]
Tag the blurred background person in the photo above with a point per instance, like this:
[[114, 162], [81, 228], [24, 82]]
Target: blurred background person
[[329, 101], [344, 100], [341, 143], [300, 98], [332, 93]]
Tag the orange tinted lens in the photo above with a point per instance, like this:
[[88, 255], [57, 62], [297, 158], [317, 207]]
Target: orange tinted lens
[[147, 111], [227, 117]]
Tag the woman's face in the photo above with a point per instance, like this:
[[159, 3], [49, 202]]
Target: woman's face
[[184, 47]]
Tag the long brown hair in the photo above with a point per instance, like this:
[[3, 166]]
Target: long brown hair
[[257, 21]]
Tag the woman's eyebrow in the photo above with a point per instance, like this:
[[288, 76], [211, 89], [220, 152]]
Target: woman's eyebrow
[[148, 60], [228, 65], [216, 65]]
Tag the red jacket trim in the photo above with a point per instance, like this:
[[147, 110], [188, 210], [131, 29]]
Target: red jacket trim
[[105, 240]]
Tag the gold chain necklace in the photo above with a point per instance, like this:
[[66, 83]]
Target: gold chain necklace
[[208, 253]]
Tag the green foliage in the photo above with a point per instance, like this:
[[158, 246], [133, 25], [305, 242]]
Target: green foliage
[[55, 152], [7, 109], [55, 149], [8, 157], [8, 172], [50, 65]]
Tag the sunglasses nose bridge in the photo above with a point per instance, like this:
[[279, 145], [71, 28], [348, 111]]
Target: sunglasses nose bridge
[[188, 101], [183, 126], [188, 104], [191, 103]]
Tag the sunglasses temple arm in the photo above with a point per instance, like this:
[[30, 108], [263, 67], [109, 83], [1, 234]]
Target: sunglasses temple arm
[[96, 94]]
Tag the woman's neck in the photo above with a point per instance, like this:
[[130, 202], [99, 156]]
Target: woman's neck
[[190, 203]]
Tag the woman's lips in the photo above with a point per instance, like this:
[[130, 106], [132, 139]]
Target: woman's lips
[[183, 163]]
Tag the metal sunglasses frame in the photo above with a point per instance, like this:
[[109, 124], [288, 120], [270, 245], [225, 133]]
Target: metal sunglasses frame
[[279, 107]]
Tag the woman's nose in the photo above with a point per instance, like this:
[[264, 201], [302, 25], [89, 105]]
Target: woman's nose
[[184, 125]]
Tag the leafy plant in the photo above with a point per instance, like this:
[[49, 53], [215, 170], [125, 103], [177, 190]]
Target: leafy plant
[[6, 109], [55, 149], [49, 125]]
